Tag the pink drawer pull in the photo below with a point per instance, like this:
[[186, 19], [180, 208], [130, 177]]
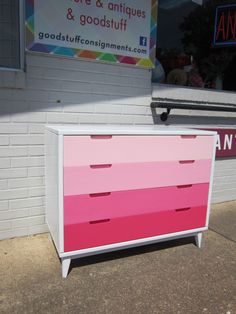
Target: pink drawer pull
[[183, 209], [99, 221], [183, 162], [100, 166], [184, 186], [101, 137], [188, 136], [100, 194]]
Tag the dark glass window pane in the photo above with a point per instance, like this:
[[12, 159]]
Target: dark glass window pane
[[187, 51], [9, 34]]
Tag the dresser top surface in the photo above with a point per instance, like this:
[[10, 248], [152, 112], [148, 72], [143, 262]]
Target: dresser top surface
[[87, 129]]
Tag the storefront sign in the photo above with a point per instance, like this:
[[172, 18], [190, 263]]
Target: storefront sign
[[225, 25], [122, 32], [226, 142]]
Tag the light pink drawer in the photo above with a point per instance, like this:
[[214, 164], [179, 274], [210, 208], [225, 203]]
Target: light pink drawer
[[117, 177], [89, 150], [108, 231], [93, 207]]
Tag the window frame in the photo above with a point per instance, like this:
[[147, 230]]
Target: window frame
[[187, 88]]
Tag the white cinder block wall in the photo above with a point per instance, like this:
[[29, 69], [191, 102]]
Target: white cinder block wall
[[56, 91], [60, 91]]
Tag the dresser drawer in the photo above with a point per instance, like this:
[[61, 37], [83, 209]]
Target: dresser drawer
[[92, 150], [81, 235], [117, 177], [99, 206]]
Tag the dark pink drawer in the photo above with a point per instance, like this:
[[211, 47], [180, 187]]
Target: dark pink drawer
[[109, 231], [84, 208]]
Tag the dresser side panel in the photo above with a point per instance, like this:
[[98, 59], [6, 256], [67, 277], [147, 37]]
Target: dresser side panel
[[211, 179], [52, 186]]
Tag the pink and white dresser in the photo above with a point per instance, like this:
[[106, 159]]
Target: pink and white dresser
[[116, 187]]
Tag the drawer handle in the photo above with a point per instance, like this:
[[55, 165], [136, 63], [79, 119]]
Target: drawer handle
[[188, 136], [100, 194], [183, 209], [184, 186], [183, 162], [101, 137], [100, 166], [99, 221]]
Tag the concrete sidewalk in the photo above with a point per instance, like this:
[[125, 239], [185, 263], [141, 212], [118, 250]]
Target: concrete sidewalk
[[171, 277]]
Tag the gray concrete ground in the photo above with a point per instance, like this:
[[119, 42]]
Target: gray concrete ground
[[171, 277]]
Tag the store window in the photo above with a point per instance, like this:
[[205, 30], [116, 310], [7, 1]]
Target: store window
[[10, 34], [196, 44]]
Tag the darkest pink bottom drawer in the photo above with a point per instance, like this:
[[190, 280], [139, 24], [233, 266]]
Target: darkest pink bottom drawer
[[108, 231]]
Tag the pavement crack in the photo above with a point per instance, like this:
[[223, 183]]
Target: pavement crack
[[224, 236]]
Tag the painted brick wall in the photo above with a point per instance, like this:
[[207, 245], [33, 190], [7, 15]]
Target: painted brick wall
[[59, 91], [224, 187], [56, 91]]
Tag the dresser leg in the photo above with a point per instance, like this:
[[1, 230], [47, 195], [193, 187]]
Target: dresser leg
[[198, 240], [65, 264]]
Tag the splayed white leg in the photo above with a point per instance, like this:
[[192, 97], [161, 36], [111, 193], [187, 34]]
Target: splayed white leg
[[65, 264], [198, 240]]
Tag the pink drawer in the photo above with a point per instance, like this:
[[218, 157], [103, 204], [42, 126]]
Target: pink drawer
[[108, 231], [117, 177], [91, 150], [92, 207]]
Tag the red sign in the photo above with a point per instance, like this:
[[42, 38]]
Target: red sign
[[225, 25], [226, 142]]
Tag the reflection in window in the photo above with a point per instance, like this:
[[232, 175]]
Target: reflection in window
[[9, 34], [195, 46]]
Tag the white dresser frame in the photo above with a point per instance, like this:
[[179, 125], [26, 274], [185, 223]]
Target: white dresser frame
[[54, 186]]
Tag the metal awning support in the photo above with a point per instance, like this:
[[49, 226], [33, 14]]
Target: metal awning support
[[185, 106]]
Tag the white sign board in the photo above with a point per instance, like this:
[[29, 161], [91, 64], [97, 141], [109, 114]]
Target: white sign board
[[113, 31]]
